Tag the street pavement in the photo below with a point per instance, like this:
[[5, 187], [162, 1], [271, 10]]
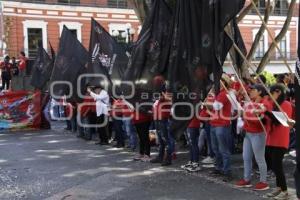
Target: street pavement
[[55, 165]]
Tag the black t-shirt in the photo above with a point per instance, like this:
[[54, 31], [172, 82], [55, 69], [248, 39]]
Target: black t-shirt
[[15, 69]]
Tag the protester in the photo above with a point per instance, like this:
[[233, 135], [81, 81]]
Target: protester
[[71, 112], [193, 131], [142, 123], [85, 110], [255, 138], [117, 114], [102, 105], [15, 67], [45, 114], [210, 159], [129, 127], [220, 130], [278, 141], [161, 115], [6, 73], [22, 64]]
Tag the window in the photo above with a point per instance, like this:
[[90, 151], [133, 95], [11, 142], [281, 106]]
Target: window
[[117, 3], [74, 32], [281, 7], [261, 5], [284, 46], [34, 31], [74, 27], [261, 48], [262, 45], [70, 2], [35, 35]]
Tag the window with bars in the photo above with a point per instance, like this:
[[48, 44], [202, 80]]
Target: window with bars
[[283, 48], [117, 3], [35, 35], [261, 48], [281, 7], [69, 2]]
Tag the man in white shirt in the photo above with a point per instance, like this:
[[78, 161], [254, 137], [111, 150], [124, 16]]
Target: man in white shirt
[[102, 107]]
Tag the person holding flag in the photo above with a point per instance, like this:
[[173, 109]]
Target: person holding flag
[[102, 106], [220, 129], [255, 139], [278, 141]]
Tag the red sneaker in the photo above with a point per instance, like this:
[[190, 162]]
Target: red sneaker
[[243, 184], [261, 186]]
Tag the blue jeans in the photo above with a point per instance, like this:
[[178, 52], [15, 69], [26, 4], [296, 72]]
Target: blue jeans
[[165, 139], [120, 133], [208, 136], [172, 141], [255, 143], [292, 139], [82, 130], [131, 132], [221, 143], [193, 135]]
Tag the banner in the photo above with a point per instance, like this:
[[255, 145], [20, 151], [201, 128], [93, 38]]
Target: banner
[[71, 61], [148, 63], [20, 110], [107, 57], [198, 50], [42, 69]]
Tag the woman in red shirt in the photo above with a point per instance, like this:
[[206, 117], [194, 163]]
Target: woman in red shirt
[[193, 132], [255, 138], [278, 141], [142, 122], [161, 114]]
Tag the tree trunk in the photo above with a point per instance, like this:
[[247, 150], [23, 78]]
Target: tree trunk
[[260, 33], [266, 59], [245, 11]]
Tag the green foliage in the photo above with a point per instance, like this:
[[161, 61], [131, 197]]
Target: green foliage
[[270, 77]]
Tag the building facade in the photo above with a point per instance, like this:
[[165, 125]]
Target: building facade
[[24, 22]]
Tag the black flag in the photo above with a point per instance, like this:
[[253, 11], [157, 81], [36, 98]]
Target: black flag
[[52, 52], [198, 51], [71, 61], [107, 56], [42, 69], [147, 66]]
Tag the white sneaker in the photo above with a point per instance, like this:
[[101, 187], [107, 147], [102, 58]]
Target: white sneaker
[[208, 160], [275, 192], [282, 196], [146, 158], [293, 153], [195, 167], [186, 165]]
